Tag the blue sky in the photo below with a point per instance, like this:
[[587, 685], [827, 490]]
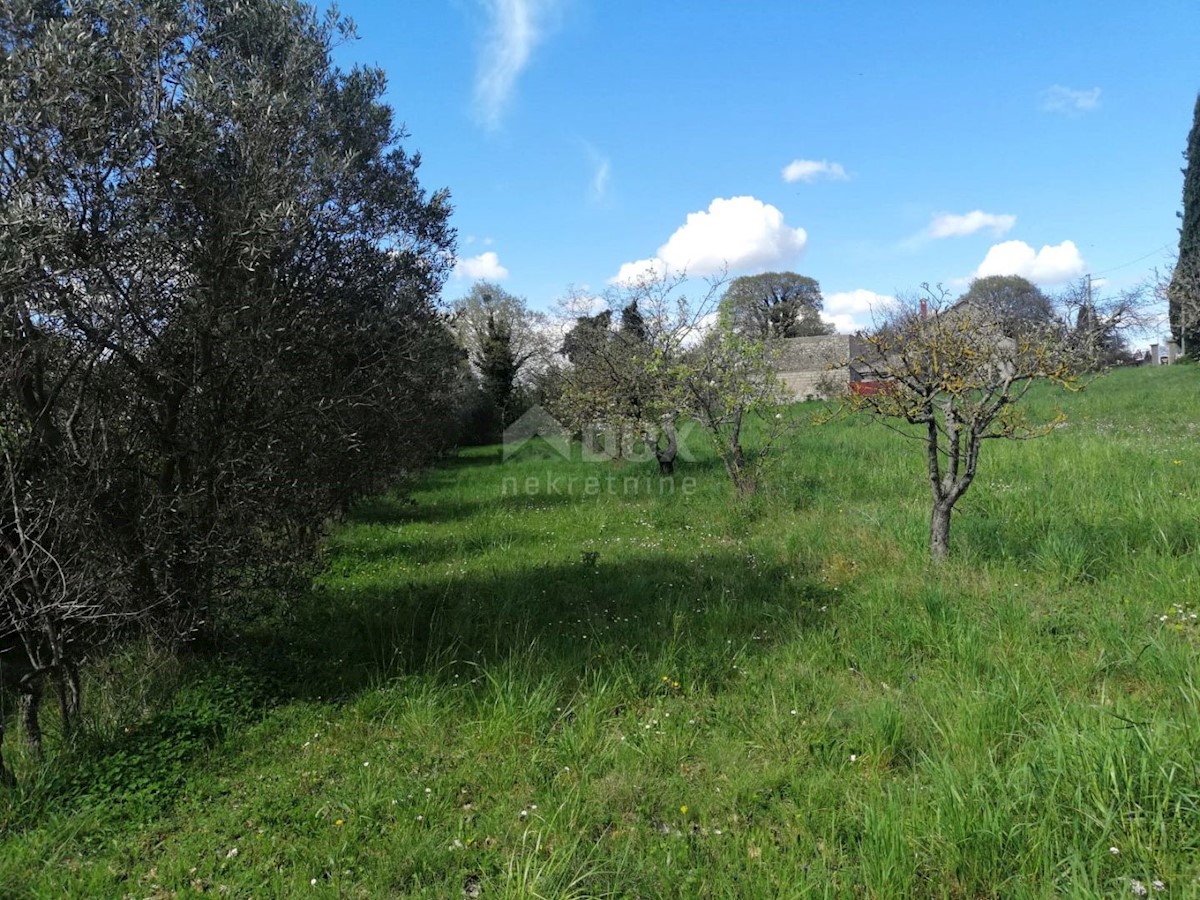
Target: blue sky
[[872, 146]]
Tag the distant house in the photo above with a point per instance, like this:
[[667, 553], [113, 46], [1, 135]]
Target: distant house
[[817, 367]]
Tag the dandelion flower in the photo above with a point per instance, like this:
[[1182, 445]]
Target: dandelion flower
[[338, 823], [683, 809]]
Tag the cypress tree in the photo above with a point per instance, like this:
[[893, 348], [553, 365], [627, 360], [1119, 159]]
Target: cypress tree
[[1184, 293], [498, 366]]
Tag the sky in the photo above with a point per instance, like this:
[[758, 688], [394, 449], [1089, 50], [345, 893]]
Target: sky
[[872, 146]]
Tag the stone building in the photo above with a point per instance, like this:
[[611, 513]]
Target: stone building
[[817, 367]]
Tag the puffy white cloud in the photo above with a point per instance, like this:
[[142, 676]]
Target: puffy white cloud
[[809, 170], [515, 28], [947, 225], [1069, 101], [739, 233], [849, 311], [484, 267], [1050, 265]]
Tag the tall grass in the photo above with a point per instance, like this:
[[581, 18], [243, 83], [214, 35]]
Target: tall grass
[[680, 694]]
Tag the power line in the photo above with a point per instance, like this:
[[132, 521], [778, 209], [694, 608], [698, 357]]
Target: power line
[[1132, 261]]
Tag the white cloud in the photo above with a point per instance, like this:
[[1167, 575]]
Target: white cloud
[[484, 267], [850, 311], [1050, 265], [947, 225], [1069, 101], [738, 233], [515, 28], [809, 170]]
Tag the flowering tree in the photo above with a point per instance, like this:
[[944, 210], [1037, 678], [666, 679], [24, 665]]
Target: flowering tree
[[673, 359], [725, 382]]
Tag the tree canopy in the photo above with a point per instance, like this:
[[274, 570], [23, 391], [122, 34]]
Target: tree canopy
[[1014, 301], [774, 305]]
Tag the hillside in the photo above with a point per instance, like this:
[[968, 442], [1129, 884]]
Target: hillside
[[497, 691]]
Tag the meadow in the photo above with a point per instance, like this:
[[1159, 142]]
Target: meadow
[[659, 690]]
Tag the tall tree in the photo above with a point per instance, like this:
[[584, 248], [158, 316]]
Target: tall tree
[[1015, 302], [488, 306], [498, 365], [774, 305], [1184, 292]]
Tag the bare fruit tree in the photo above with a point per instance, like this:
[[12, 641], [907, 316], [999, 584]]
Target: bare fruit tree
[[952, 377]]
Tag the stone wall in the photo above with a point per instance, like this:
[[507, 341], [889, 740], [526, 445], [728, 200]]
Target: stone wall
[[809, 366]]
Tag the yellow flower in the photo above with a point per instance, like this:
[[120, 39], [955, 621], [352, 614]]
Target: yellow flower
[[683, 809], [338, 823]]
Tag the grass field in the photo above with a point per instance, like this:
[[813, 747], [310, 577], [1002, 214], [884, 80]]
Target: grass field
[[649, 693]]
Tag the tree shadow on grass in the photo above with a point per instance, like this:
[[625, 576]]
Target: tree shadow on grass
[[584, 614], [566, 619]]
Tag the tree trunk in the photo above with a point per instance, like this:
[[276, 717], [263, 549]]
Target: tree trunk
[[31, 704], [939, 531], [7, 779], [69, 696], [666, 456]]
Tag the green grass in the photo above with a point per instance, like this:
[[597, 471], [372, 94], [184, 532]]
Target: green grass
[[525, 692]]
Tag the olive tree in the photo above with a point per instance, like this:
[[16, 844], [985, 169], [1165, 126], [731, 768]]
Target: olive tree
[[217, 283]]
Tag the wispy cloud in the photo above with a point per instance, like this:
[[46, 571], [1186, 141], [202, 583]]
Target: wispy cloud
[[515, 28], [945, 225], [810, 170], [600, 179], [1070, 101]]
